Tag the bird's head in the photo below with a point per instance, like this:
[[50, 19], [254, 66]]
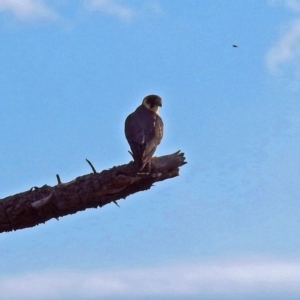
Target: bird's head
[[152, 102]]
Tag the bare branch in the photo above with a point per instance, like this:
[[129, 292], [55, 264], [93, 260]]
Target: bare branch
[[39, 205], [94, 170]]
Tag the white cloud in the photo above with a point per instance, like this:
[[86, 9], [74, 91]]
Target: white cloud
[[283, 58], [111, 7], [124, 11], [237, 278], [286, 50], [38, 9], [27, 9], [293, 5]]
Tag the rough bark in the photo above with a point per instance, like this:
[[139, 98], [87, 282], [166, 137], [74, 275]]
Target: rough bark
[[41, 204]]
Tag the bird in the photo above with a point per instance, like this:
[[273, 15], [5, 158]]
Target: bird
[[234, 46], [144, 132]]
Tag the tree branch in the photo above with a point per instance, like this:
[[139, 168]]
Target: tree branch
[[39, 205]]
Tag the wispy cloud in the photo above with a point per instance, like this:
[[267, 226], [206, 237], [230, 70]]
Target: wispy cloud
[[283, 58], [111, 7], [27, 9], [123, 11], [31, 10], [286, 50], [222, 279], [293, 5]]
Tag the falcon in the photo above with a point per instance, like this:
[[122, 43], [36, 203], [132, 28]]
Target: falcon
[[144, 131]]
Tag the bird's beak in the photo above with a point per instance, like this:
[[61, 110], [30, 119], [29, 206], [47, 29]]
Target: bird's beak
[[159, 104]]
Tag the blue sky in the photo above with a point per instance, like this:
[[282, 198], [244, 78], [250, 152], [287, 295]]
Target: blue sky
[[226, 228]]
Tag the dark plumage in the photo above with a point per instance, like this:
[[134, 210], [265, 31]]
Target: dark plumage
[[144, 131]]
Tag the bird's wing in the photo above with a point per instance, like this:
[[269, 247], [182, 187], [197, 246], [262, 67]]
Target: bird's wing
[[143, 132], [159, 128], [133, 131], [156, 136]]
